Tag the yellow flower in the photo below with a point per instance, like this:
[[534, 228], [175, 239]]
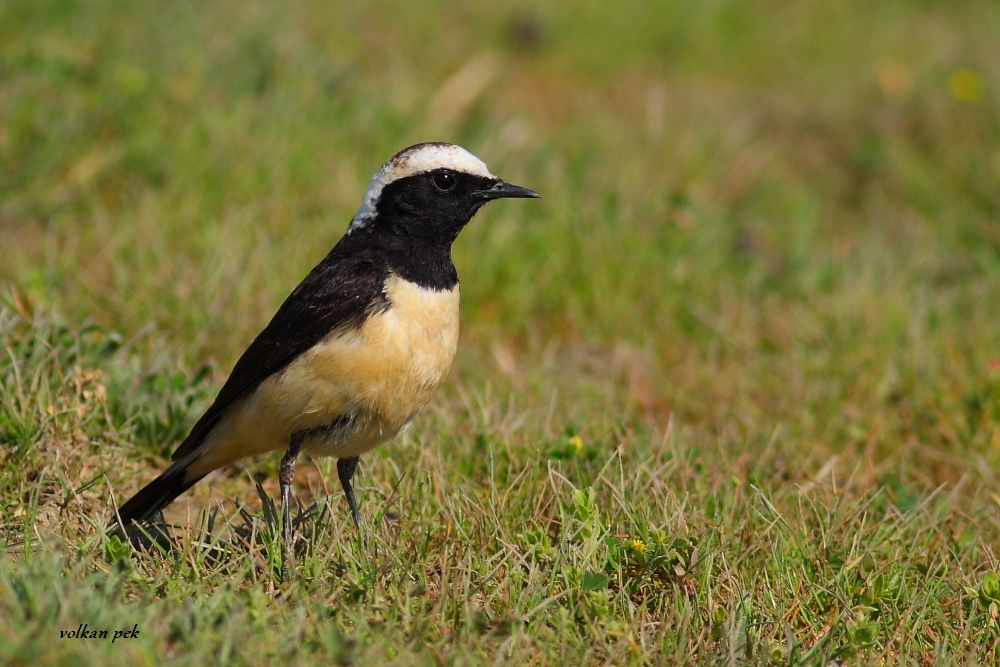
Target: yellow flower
[[576, 444], [964, 85], [638, 545]]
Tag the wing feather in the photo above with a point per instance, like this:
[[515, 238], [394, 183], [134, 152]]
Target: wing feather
[[340, 293]]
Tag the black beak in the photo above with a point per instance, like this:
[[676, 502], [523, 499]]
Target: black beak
[[507, 191]]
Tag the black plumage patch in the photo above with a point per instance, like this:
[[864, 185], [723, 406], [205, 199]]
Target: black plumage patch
[[426, 205]]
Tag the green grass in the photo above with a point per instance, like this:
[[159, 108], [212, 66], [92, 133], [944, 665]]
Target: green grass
[[729, 394]]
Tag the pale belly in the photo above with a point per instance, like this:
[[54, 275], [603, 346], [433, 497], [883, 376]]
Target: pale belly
[[353, 390]]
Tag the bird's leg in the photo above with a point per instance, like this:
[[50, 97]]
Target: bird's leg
[[285, 476], [345, 470]]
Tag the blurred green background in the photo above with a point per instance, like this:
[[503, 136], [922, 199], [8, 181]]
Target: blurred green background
[[779, 212], [770, 235]]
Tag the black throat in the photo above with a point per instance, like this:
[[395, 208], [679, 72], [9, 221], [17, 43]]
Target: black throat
[[415, 221], [417, 259]]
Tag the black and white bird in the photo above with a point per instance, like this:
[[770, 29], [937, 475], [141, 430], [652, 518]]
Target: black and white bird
[[359, 347]]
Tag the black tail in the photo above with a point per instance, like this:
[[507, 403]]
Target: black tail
[[156, 495]]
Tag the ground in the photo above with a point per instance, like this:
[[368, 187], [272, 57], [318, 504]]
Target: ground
[[728, 394]]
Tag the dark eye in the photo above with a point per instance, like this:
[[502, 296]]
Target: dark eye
[[444, 180]]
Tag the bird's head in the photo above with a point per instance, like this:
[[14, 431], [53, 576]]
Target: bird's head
[[431, 190]]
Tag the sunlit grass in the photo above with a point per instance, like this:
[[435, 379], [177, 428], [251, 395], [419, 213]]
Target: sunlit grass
[[730, 391]]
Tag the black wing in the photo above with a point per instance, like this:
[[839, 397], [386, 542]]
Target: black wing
[[340, 293]]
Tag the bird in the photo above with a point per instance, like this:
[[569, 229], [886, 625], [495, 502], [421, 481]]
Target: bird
[[358, 348]]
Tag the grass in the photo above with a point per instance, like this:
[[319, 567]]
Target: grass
[[729, 394]]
